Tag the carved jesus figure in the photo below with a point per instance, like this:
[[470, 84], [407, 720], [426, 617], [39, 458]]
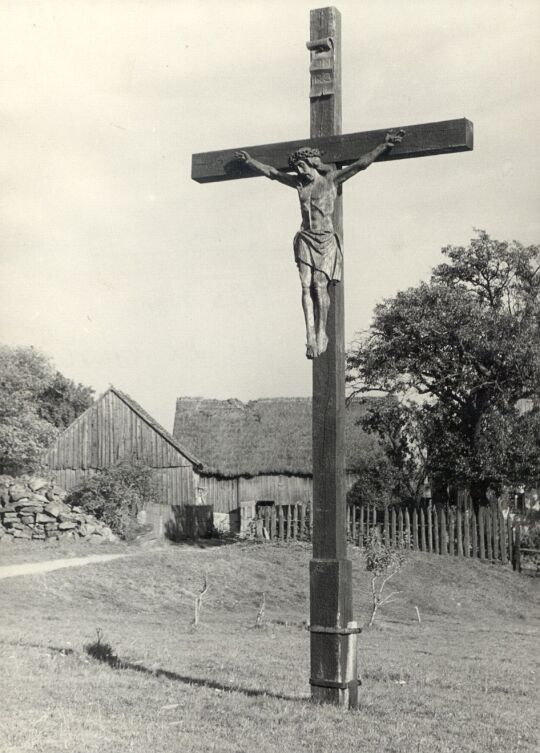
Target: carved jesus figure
[[317, 246]]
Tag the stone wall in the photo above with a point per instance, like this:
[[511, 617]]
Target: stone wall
[[32, 507]]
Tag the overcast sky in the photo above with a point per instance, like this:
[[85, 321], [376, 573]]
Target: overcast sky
[[125, 271]]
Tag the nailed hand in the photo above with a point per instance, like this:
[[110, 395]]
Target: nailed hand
[[242, 156], [394, 137]]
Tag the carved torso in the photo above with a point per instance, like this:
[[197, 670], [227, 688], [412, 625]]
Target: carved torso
[[317, 199]]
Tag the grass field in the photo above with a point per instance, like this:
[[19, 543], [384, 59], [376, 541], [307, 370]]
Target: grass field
[[465, 679]]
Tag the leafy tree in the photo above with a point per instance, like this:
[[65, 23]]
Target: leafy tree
[[468, 344], [376, 483], [63, 400], [24, 374], [35, 401], [401, 427]]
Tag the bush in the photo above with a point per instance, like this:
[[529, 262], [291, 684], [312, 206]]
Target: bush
[[530, 539], [116, 495]]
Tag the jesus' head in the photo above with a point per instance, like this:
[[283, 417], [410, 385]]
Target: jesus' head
[[307, 160]]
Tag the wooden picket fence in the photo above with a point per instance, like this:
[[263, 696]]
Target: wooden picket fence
[[444, 531], [283, 523]]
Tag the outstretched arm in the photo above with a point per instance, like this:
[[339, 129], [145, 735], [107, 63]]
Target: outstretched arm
[[267, 170], [366, 160]]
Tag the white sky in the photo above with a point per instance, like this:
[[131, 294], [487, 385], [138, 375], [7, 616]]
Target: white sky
[[125, 271]]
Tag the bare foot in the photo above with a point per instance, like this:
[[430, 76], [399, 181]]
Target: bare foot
[[322, 342], [311, 351]]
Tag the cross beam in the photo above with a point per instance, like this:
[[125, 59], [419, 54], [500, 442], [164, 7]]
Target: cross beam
[[425, 140], [333, 631]]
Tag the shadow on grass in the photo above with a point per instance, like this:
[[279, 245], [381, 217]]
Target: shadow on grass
[[103, 652], [206, 543], [52, 649]]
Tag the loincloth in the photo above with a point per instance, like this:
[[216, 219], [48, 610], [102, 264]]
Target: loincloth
[[321, 251]]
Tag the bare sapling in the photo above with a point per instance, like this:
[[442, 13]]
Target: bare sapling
[[383, 562], [198, 601], [261, 614]]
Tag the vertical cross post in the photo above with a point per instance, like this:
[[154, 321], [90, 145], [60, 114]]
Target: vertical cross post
[[333, 638]]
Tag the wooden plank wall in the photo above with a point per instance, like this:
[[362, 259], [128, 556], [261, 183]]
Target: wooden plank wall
[[176, 486], [222, 493], [279, 489], [110, 431], [176, 522], [228, 494]]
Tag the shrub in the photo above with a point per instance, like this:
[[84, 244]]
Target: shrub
[[530, 539], [116, 495]]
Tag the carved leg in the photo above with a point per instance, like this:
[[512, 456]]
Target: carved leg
[[322, 299], [306, 275]]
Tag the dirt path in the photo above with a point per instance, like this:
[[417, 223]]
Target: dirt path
[[31, 568]]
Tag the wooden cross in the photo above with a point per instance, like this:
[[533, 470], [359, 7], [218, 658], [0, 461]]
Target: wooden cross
[[333, 632]]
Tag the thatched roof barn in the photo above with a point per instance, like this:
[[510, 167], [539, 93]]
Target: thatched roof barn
[[268, 436], [258, 453]]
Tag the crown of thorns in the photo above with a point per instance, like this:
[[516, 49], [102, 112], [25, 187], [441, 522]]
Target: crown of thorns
[[303, 154]]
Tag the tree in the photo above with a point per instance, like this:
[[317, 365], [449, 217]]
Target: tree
[[383, 562], [376, 483], [401, 427], [35, 401], [25, 373], [467, 344], [63, 400]]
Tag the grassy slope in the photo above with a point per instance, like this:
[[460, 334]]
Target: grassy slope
[[462, 680]]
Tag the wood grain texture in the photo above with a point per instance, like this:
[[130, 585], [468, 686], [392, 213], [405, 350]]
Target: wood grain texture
[[481, 533], [444, 533], [328, 417], [489, 533], [460, 534], [474, 537], [423, 140], [436, 548], [451, 532], [503, 540], [466, 533], [510, 539], [495, 532], [330, 573]]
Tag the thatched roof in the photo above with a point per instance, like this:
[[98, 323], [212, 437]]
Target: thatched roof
[[266, 436]]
